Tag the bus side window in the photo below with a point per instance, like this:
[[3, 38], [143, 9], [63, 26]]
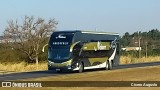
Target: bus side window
[[76, 50]]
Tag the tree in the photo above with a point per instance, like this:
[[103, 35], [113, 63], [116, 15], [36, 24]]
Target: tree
[[125, 40], [149, 41], [28, 36]]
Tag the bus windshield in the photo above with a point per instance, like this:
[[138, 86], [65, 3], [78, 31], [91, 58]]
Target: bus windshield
[[59, 46]]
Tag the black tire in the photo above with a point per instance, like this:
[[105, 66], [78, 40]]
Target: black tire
[[81, 67], [116, 60], [106, 68], [109, 65]]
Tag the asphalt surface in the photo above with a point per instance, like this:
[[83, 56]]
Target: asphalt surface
[[37, 74]]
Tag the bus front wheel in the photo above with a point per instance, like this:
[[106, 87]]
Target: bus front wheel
[[81, 67]]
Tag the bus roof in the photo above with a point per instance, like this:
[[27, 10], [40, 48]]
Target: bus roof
[[89, 32], [95, 32]]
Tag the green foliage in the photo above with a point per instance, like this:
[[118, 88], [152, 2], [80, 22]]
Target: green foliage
[[8, 54], [149, 40], [125, 40]]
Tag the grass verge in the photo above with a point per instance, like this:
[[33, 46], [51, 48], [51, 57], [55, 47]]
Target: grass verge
[[24, 67], [131, 60]]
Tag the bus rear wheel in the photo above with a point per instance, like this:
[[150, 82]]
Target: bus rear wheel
[[109, 65], [81, 67]]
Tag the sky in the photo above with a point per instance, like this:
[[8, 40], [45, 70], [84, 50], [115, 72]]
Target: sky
[[118, 16]]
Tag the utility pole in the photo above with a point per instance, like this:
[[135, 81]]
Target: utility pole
[[139, 42], [146, 45], [146, 49]]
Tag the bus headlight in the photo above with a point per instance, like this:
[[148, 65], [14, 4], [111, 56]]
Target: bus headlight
[[50, 63], [69, 66], [77, 64]]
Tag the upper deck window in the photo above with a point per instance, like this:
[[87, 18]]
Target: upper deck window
[[61, 39]]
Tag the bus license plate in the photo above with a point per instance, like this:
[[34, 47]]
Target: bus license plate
[[57, 69]]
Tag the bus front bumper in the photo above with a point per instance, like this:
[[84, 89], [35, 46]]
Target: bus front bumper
[[66, 66]]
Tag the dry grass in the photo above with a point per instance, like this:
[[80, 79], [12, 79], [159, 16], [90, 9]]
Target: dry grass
[[22, 67], [130, 59]]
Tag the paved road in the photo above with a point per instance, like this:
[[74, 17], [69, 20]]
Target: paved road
[[37, 74]]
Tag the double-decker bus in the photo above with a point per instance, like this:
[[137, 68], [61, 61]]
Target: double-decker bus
[[80, 50]]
